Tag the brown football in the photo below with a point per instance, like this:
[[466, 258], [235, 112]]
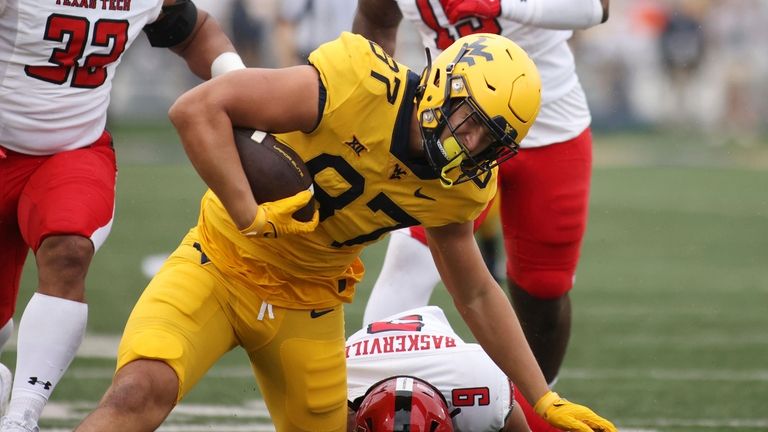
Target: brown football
[[273, 169]]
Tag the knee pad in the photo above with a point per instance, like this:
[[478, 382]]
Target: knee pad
[[316, 384], [151, 344]]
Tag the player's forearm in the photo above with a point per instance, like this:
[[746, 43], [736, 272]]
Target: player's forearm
[[484, 307], [494, 324], [556, 14], [206, 133]]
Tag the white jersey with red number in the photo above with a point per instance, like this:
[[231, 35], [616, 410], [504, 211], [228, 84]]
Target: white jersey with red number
[[564, 111], [57, 61], [420, 342]]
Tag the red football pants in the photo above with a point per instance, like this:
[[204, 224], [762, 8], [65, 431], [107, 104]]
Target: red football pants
[[544, 193], [71, 192]]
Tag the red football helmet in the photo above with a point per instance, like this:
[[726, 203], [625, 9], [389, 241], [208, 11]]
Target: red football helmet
[[403, 404]]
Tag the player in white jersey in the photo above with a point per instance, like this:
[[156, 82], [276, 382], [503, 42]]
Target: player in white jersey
[[57, 164], [421, 343], [544, 192]]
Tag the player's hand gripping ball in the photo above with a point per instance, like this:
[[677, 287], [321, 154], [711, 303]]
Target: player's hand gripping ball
[[281, 185]]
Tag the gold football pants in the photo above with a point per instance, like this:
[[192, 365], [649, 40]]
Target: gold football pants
[[190, 315]]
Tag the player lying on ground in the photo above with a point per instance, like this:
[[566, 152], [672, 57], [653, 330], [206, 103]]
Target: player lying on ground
[[457, 385]]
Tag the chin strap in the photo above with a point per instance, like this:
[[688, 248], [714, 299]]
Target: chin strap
[[424, 75]]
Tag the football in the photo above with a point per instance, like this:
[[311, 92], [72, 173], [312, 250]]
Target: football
[[273, 169]]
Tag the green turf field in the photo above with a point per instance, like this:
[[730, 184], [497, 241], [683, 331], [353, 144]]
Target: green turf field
[[670, 304]]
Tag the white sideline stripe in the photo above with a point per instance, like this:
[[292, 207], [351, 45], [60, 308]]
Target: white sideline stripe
[[255, 412], [737, 424], [683, 375], [727, 375], [208, 427], [702, 375], [206, 417], [150, 264], [105, 347], [249, 410]]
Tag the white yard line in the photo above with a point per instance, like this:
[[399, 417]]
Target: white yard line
[[720, 424], [104, 346], [208, 427], [253, 416], [696, 375]]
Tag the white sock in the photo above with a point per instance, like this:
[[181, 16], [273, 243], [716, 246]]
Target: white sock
[[50, 332], [5, 333], [407, 279]]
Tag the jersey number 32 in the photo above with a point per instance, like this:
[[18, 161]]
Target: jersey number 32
[[107, 33]]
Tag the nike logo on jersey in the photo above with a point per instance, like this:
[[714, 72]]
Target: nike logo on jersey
[[318, 313], [419, 194]]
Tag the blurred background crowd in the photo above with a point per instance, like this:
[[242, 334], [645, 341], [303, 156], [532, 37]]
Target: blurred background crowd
[[684, 65], [679, 64]]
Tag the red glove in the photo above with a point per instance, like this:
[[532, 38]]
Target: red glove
[[457, 10]]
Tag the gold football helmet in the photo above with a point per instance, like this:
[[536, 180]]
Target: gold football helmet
[[500, 84]]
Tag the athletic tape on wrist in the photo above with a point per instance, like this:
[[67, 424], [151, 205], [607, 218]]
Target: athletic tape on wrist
[[226, 62]]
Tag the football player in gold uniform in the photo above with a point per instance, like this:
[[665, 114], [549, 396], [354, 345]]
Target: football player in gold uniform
[[387, 149]]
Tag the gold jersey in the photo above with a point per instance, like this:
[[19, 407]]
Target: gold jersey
[[365, 184]]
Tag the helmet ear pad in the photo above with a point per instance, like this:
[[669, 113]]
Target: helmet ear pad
[[403, 404]]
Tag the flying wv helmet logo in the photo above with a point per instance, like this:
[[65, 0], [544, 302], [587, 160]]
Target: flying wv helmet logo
[[473, 50]]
